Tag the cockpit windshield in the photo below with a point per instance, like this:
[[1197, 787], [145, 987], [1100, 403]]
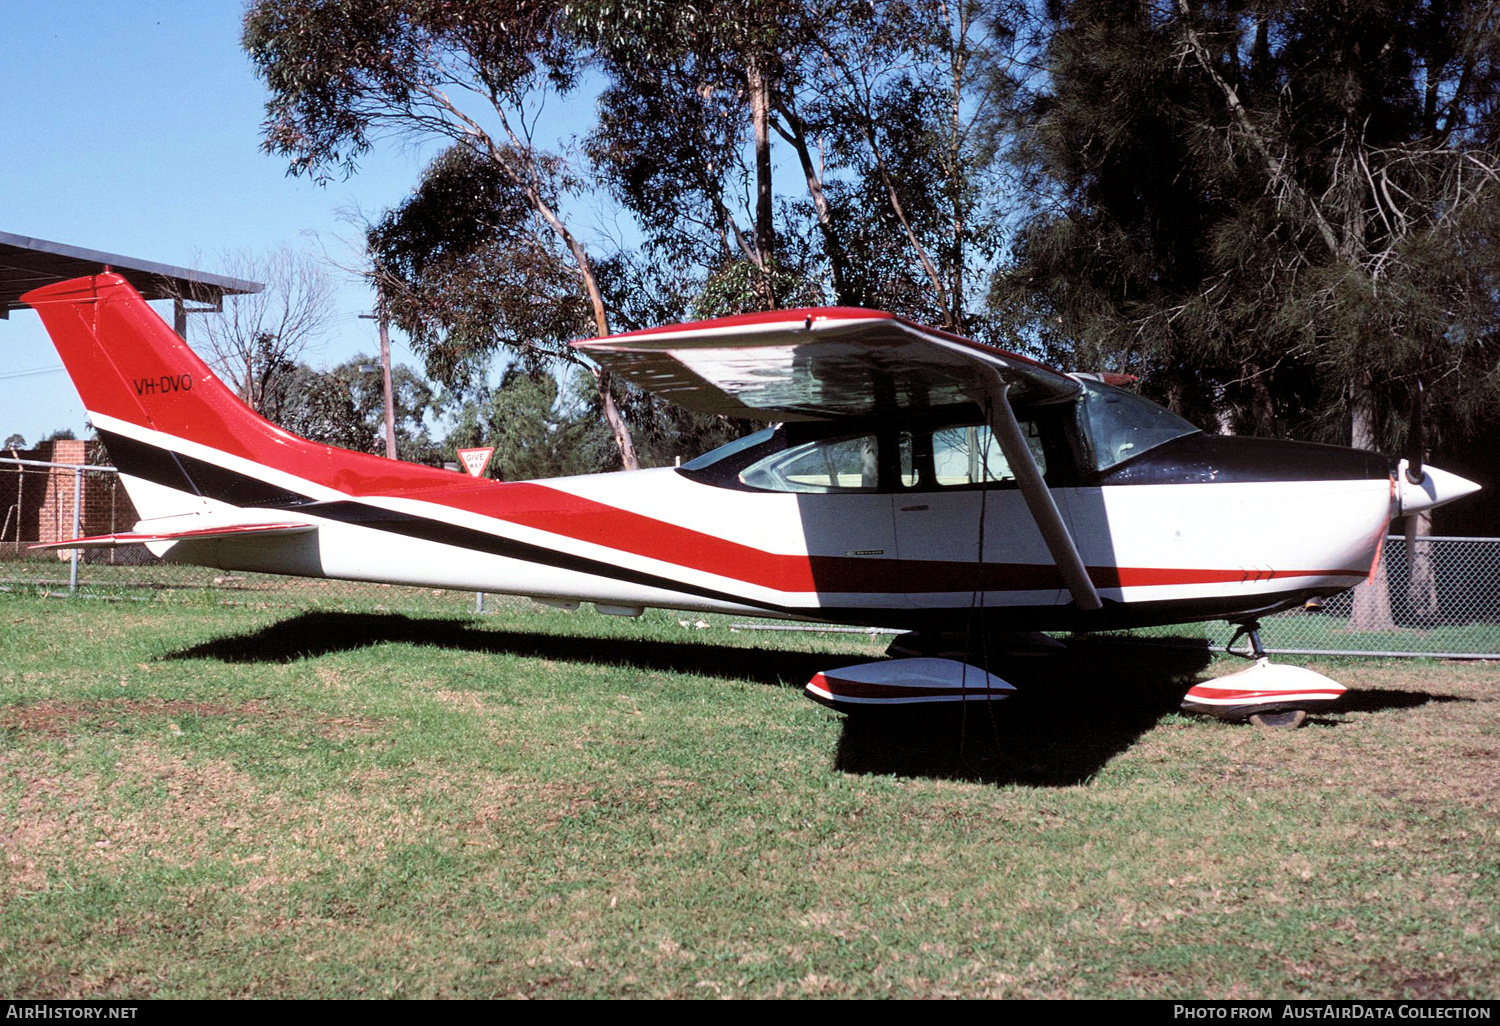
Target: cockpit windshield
[[1119, 425], [723, 452]]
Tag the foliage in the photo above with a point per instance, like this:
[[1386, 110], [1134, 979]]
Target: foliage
[[1282, 213], [341, 71], [466, 272], [346, 407], [536, 429], [908, 100], [690, 90], [457, 70], [883, 107]]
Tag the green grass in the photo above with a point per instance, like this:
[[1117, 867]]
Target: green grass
[[200, 801]]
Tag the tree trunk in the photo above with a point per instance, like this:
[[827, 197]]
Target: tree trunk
[[1224, 414], [1422, 594], [528, 178], [1372, 599], [1262, 406], [617, 426], [796, 134], [760, 116]]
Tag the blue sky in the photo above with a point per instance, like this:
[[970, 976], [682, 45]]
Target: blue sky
[[135, 129]]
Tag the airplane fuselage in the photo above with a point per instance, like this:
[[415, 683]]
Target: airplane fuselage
[[1199, 528]]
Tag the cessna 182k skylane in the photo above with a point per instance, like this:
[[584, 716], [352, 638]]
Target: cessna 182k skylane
[[908, 476]]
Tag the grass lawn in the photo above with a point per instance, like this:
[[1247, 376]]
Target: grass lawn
[[200, 801]]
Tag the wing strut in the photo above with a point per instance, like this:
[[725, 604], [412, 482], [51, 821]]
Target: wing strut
[[1039, 498]]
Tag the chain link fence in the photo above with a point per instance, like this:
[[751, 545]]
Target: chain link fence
[[1442, 593]]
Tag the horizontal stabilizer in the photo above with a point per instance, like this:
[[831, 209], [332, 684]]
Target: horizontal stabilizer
[[109, 541]]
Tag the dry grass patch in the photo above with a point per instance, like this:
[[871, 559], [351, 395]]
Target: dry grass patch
[[507, 812]]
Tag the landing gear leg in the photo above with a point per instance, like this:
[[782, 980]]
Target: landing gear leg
[[1249, 630]]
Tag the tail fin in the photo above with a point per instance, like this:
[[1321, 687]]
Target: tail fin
[[130, 367], [165, 414]]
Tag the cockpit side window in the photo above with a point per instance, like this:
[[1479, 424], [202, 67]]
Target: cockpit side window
[[846, 464], [1117, 425]]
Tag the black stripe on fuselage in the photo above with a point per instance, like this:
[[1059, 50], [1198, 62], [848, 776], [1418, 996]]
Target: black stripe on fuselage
[[199, 477]]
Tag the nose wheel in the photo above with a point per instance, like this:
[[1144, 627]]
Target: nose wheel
[[1286, 719]]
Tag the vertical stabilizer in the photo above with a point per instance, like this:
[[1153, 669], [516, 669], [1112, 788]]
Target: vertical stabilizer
[[168, 419]]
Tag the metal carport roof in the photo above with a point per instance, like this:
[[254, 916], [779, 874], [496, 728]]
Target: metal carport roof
[[26, 264]]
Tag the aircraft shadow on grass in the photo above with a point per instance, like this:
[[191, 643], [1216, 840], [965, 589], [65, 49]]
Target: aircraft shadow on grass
[[310, 635], [1074, 710]]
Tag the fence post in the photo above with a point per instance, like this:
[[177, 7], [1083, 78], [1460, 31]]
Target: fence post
[[77, 499]]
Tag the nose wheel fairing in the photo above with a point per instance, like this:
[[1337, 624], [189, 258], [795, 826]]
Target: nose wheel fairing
[[1263, 690]]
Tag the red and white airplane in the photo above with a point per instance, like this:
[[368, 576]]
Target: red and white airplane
[[906, 478]]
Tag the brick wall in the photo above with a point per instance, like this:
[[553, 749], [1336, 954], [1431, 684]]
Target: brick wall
[[36, 503]]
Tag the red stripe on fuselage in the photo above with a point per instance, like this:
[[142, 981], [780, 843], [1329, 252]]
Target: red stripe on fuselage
[[562, 513]]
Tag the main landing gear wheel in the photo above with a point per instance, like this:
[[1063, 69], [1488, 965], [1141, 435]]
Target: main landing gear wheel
[[1285, 719]]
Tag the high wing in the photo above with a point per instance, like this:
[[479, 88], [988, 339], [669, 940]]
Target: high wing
[[828, 363], [819, 364]]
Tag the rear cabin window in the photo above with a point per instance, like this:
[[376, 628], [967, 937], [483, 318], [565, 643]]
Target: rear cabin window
[[970, 455]]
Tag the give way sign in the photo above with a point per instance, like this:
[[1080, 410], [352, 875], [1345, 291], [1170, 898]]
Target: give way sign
[[475, 460]]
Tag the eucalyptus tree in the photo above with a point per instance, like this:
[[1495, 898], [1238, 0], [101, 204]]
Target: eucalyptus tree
[[342, 73], [345, 406], [911, 99], [684, 132], [883, 105]]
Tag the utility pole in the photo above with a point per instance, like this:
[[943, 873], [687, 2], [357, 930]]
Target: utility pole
[[384, 320], [385, 376]]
